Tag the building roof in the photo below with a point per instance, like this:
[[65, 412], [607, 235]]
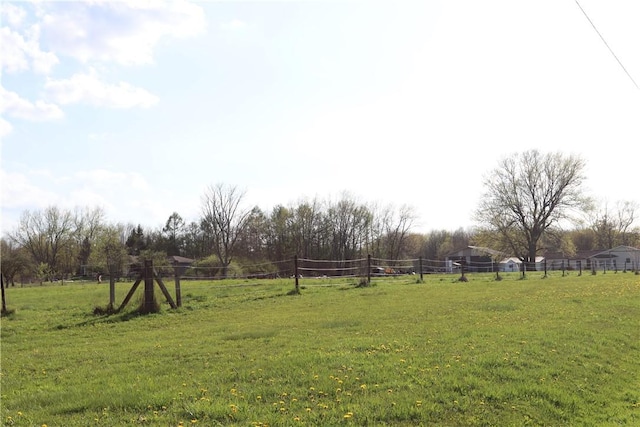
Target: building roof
[[516, 260], [577, 256], [477, 249], [611, 253]]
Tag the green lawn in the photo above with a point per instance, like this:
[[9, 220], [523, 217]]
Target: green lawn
[[554, 351]]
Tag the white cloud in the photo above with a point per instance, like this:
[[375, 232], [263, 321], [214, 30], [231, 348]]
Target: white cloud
[[5, 128], [234, 24], [123, 195], [19, 192], [14, 105], [89, 89], [12, 14], [122, 32], [20, 52], [102, 179]]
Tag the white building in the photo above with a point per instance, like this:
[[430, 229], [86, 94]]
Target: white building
[[515, 264], [618, 258]]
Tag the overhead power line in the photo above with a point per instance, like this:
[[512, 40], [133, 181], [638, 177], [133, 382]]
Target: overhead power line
[[607, 45]]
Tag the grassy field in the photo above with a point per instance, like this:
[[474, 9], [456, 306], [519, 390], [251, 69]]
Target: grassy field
[[554, 351]]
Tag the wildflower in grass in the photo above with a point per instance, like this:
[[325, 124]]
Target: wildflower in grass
[[348, 415], [308, 409], [363, 386], [418, 403], [193, 421]]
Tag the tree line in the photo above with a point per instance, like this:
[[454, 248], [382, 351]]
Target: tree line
[[528, 198]]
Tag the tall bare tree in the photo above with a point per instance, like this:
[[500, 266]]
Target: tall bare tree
[[526, 196], [348, 221], [87, 224], [612, 226], [46, 235], [397, 230], [223, 219]]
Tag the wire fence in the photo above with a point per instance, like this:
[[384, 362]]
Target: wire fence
[[375, 267]]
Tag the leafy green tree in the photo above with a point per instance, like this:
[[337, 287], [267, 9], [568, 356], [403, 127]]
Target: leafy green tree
[[13, 261], [174, 229], [280, 233], [110, 255], [136, 241]]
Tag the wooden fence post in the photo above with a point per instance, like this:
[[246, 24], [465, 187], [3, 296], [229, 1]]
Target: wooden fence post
[[149, 301], [177, 281], [4, 302], [368, 269], [112, 291], [420, 264], [295, 272]]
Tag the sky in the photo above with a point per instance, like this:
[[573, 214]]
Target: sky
[[138, 107]]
